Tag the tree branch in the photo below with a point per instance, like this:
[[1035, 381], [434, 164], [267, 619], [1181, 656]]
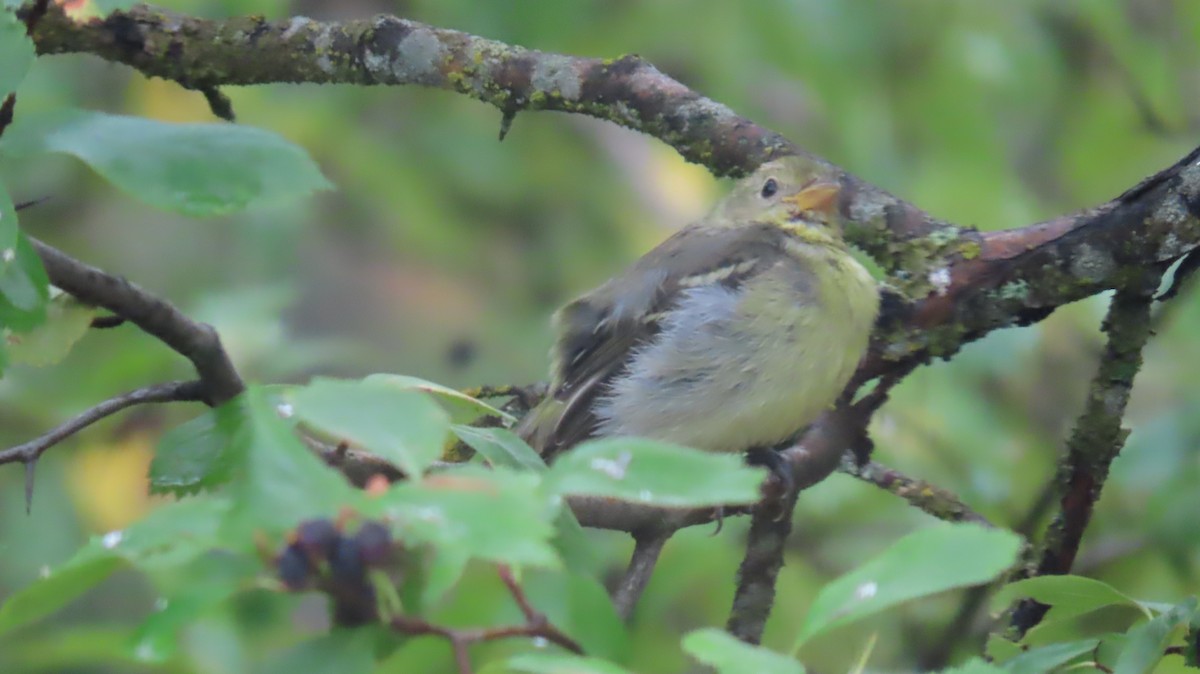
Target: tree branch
[[198, 342], [536, 627], [29, 452], [934, 500], [1098, 436], [646, 549]]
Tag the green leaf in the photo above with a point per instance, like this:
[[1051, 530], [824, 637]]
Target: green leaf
[[405, 427], [195, 455], [501, 447], [67, 321], [1069, 595], [974, 666], [16, 53], [342, 651], [561, 663], [655, 473], [24, 287], [580, 606], [924, 562], [1000, 650], [1049, 658], [729, 655], [211, 580], [8, 220], [1144, 644], [278, 481], [462, 407], [47, 595], [498, 515], [172, 535], [195, 169]]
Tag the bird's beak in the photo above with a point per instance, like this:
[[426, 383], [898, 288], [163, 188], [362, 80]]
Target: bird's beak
[[819, 197]]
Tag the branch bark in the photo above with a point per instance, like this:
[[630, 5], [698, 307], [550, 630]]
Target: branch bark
[[1098, 436], [954, 285], [198, 342]]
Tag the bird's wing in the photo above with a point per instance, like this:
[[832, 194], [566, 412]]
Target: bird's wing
[[597, 333]]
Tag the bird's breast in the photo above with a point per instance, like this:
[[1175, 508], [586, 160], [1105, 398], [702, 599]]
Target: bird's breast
[[748, 367]]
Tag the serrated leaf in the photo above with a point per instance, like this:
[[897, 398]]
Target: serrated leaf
[[16, 53], [67, 321], [194, 169], [462, 407], [497, 515], [1069, 595], [171, 535], [654, 473], [1048, 658], [501, 447], [561, 663], [729, 655], [403, 426], [196, 454], [925, 562], [278, 482]]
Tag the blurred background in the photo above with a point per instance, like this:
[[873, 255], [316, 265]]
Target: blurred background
[[442, 253]]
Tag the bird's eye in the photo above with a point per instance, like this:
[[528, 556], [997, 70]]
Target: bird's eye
[[770, 188]]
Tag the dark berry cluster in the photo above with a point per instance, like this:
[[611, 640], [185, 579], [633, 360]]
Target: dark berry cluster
[[320, 555]]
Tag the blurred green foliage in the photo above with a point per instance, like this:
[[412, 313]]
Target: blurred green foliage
[[441, 253]]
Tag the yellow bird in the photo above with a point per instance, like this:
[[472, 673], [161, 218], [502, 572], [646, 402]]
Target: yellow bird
[[732, 335]]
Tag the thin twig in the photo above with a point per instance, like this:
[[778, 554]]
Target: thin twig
[[534, 619], [646, 549], [29, 452], [175, 391], [1097, 438], [934, 500], [198, 342], [536, 627], [219, 103]]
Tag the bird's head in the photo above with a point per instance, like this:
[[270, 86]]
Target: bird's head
[[791, 192]]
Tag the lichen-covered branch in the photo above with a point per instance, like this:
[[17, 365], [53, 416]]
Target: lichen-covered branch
[[1097, 438], [934, 500], [388, 50], [959, 284]]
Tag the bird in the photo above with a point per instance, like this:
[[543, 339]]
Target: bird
[[732, 335]]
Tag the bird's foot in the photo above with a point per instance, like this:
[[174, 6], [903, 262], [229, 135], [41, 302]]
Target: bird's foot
[[719, 517], [781, 485]]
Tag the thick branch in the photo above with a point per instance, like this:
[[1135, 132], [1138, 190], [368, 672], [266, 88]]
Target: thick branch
[[1097, 438], [387, 50], [198, 342]]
